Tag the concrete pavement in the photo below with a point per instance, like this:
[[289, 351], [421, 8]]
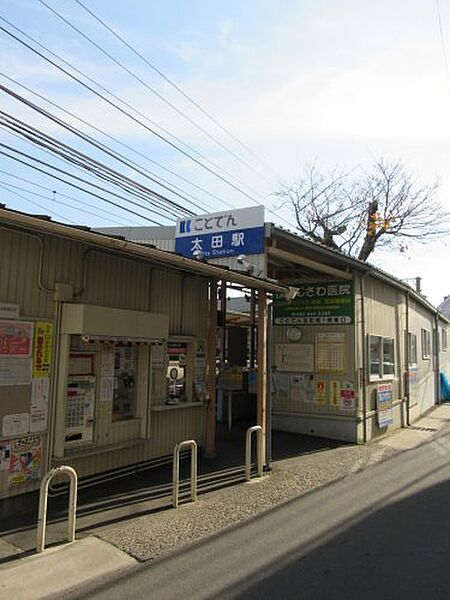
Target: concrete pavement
[[59, 569]]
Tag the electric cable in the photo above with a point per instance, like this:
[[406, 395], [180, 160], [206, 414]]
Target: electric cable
[[153, 91], [93, 142], [88, 163], [15, 158], [63, 195], [36, 204], [124, 145], [59, 202], [179, 89], [124, 112]]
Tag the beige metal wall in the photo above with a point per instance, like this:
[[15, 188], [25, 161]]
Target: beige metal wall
[[30, 268], [384, 315]]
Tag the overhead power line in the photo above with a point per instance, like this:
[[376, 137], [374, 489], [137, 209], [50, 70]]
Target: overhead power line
[[111, 216], [44, 208], [185, 95], [104, 149], [76, 186], [94, 167], [134, 119], [124, 145], [153, 91]]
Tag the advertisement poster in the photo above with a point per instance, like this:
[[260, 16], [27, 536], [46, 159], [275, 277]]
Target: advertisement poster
[[16, 338], [294, 357], [40, 389], [230, 378], [281, 386], [15, 371], [5, 453], [42, 354], [25, 459], [107, 360], [384, 405], [347, 396], [15, 424], [321, 392], [335, 394], [321, 303]]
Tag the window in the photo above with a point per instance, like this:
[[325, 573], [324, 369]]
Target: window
[[426, 343], [444, 339], [412, 349], [381, 357]]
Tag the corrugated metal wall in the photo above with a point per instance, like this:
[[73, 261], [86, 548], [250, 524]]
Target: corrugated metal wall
[[30, 267]]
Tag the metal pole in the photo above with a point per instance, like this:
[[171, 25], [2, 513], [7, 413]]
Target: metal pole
[[230, 410], [176, 471], [259, 451], [43, 501]]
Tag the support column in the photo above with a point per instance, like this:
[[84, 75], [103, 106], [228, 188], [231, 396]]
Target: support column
[[261, 406], [211, 371]]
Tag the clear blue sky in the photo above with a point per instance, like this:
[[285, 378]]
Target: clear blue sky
[[298, 81]]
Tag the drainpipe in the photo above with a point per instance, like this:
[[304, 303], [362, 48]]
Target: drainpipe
[[437, 365], [407, 357], [364, 356]]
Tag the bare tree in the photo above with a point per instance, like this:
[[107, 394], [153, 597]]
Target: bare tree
[[356, 214]]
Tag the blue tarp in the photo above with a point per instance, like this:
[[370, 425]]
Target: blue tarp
[[445, 388]]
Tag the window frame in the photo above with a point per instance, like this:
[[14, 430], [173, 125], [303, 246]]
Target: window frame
[[425, 338], [381, 341], [412, 356], [444, 339]]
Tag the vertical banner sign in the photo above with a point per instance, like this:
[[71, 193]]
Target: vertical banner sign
[[335, 394], [221, 234], [42, 356], [321, 392], [384, 405]]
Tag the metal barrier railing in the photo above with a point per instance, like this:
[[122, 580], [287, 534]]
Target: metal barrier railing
[[43, 499], [176, 470], [259, 451]]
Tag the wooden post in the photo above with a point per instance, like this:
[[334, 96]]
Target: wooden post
[[211, 372], [261, 406]]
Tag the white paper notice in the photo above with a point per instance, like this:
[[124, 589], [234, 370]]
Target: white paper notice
[[106, 389], [15, 424], [107, 364], [39, 404], [15, 371]]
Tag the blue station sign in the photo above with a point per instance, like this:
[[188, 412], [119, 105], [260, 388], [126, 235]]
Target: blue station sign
[[221, 234]]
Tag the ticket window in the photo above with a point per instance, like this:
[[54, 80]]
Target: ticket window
[[179, 379]]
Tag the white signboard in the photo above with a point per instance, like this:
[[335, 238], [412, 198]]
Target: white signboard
[[221, 234], [294, 357], [9, 311]]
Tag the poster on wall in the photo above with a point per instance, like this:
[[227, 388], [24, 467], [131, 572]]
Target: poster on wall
[[331, 352], [319, 303], [5, 454], [42, 350], [302, 387], [384, 405], [15, 371], [15, 424], [25, 459], [16, 338], [281, 381], [321, 392], [40, 389], [335, 394], [347, 396], [294, 357]]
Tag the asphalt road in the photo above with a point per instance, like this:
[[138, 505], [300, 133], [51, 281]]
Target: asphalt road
[[383, 533]]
